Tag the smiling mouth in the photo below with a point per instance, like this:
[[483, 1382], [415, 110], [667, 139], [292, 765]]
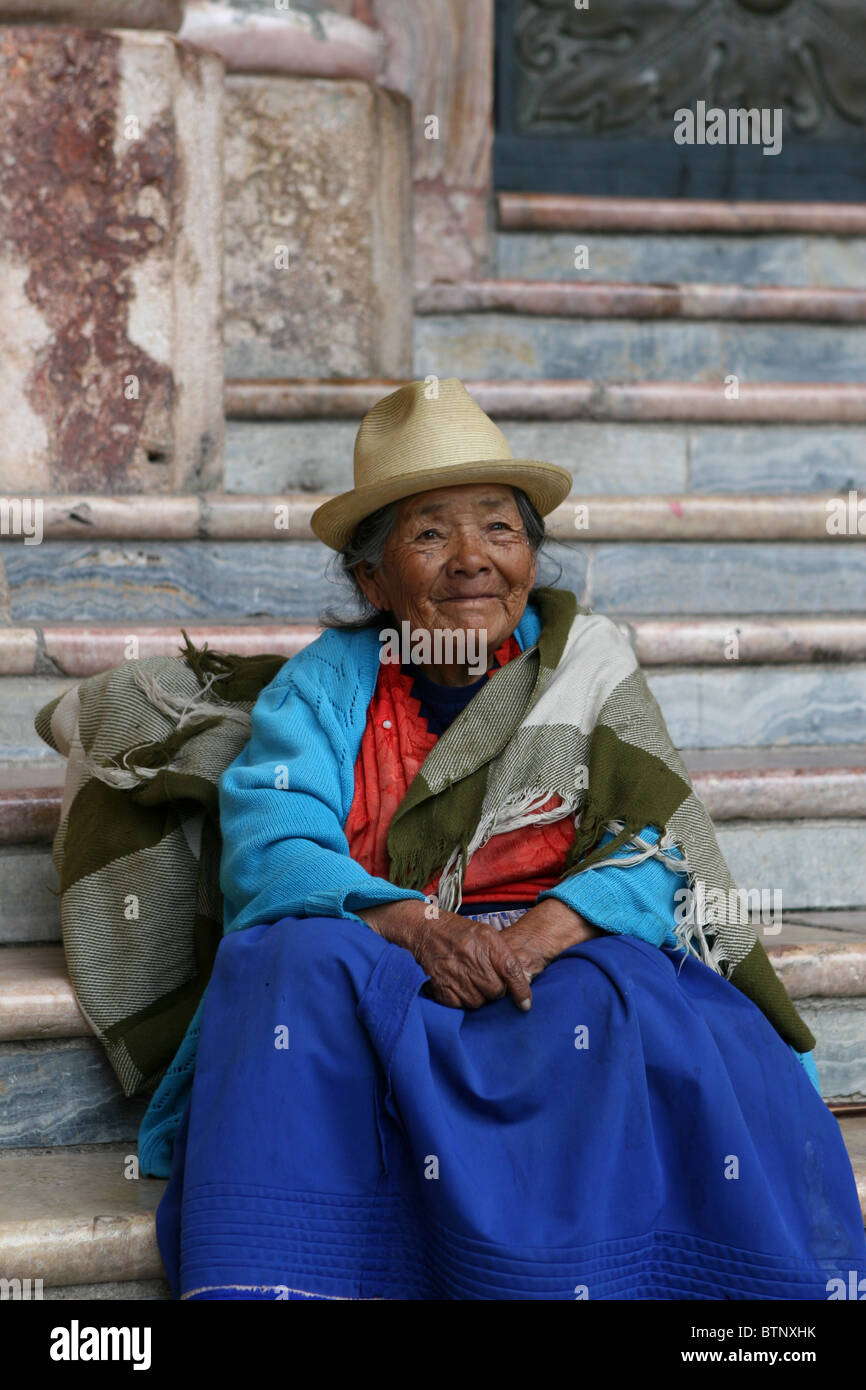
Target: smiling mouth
[[471, 598]]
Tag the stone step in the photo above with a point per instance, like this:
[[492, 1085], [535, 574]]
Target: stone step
[[64, 1092], [704, 707], [815, 865], [594, 398], [37, 1001], [236, 581], [753, 784], [221, 517], [83, 649], [496, 344], [623, 459], [780, 258], [73, 1219], [546, 212], [679, 300]]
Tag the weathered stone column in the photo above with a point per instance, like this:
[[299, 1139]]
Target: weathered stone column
[[111, 359], [318, 195], [440, 52]]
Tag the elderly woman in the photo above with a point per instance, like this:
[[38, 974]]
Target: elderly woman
[[472, 1032]]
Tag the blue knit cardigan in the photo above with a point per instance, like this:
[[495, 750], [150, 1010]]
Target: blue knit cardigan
[[284, 802]]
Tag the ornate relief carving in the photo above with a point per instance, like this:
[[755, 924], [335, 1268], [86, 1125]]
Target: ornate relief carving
[[625, 66]]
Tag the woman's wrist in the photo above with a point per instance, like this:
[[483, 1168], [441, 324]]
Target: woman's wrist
[[402, 922], [556, 926]]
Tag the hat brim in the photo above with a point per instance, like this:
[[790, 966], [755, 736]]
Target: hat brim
[[545, 484]]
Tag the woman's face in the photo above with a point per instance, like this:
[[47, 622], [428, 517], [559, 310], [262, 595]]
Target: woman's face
[[456, 557]]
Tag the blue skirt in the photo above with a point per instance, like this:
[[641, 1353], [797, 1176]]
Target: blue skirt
[[642, 1133]]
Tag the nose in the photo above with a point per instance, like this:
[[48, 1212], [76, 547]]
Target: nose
[[468, 553]]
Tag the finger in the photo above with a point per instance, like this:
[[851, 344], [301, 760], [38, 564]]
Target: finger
[[514, 977], [462, 997]]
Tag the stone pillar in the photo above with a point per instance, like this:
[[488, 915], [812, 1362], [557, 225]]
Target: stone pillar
[[318, 195], [111, 361], [441, 53]]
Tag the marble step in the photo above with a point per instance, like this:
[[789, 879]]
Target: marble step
[[73, 1219], [609, 299], [259, 580], [704, 706], [812, 863], [58, 1088], [60, 1091], [90, 518], [595, 398], [498, 344], [627, 459], [796, 259], [548, 212], [781, 783], [37, 1001], [82, 649]]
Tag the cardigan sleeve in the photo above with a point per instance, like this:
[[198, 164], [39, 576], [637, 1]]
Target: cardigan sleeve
[[283, 803], [635, 901]]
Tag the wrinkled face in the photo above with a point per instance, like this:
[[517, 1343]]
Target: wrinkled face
[[456, 557]]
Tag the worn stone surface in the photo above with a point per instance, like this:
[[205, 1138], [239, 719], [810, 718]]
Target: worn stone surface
[[756, 707], [568, 398], [579, 299], [781, 638], [83, 649], [29, 895], [813, 864], [766, 458], [21, 698], [654, 258], [283, 455], [716, 707], [149, 1290], [314, 43], [28, 815], [317, 173], [63, 1093], [824, 970], [787, 517], [441, 52], [628, 350], [839, 1027], [95, 14], [735, 578], [75, 1218], [111, 362], [37, 997], [231, 580]]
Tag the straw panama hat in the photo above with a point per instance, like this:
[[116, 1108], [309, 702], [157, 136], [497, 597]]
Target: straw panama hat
[[412, 442]]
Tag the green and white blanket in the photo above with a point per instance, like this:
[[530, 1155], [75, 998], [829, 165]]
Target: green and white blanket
[[574, 717], [138, 847]]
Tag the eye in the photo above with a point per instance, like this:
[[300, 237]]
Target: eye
[[430, 534]]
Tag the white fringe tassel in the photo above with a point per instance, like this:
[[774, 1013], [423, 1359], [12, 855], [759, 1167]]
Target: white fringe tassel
[[181, 711]]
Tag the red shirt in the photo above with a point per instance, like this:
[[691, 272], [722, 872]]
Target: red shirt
[[514, 867]]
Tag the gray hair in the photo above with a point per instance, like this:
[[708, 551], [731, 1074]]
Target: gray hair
[[367, 547]]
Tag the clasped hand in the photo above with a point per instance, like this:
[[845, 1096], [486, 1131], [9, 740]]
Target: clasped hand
[[470, 963]]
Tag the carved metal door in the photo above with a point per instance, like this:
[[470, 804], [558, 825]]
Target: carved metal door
[[587, 98]]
